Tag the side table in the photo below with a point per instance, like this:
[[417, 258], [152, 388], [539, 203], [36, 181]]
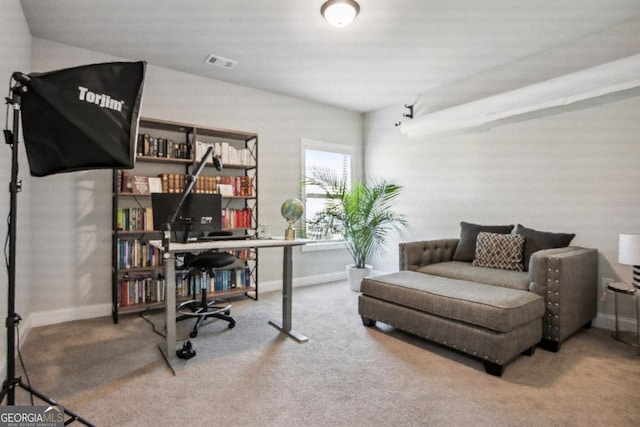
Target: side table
[[623, 288]]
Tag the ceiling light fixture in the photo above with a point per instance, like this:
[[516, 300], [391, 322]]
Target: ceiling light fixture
[[340, 13]]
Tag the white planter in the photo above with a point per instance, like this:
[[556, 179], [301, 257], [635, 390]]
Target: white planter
[[355, 275]]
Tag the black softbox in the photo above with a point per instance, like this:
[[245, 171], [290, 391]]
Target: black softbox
[[83, 117]]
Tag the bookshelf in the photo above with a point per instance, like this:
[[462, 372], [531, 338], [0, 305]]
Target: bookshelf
[[166, 153]]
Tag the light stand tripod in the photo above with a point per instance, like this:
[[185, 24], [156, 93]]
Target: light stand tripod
[[13, 319]]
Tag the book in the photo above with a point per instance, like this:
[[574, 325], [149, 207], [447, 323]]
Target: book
[[226, 190], [155, 184], [140, 185]]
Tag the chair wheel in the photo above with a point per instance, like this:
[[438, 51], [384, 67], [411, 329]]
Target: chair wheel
[[193, 334], [228, 312], [231, 325]]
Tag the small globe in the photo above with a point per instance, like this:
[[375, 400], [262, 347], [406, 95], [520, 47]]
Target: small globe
[[292, 210]]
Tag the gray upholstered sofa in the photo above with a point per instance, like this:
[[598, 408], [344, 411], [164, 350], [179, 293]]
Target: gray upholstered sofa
[[491, 313]]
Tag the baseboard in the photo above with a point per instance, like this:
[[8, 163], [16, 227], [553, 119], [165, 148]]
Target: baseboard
[[608, 321], [276, 285], [50, 317]]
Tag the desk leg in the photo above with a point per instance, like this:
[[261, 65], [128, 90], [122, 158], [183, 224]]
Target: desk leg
[[168, 347], [287, 296]]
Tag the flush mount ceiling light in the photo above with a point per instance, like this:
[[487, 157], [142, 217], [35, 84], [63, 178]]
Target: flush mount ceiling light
[[340, 13]]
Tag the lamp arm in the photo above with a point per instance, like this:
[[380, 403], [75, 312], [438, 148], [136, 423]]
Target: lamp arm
[[191, 180]]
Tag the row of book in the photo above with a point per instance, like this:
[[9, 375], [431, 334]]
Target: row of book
[[141, 219], [137, 254], [241, 186], [243, 254], [138, 290], [224, 280], [237, 218], [227, 153], [135, 219], [175, 183], [151, 146]]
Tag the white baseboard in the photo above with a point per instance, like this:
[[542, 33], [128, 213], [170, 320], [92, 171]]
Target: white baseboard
[[608, 321], [50, 317], [276, 285]]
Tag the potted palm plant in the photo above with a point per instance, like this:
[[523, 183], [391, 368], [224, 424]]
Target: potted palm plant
[[361, 213]]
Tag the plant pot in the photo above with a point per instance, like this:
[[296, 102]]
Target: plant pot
[[355, 275]]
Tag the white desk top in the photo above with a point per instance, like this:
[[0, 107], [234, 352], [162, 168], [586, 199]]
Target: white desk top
[[229, 244]]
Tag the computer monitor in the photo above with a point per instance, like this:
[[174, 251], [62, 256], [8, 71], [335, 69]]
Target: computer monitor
[[200, 213]]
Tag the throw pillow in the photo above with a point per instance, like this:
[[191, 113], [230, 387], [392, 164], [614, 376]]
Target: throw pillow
[[466, 249], [502, 251], [537, 240]]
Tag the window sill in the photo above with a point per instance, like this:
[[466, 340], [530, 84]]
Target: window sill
[[323, 245]]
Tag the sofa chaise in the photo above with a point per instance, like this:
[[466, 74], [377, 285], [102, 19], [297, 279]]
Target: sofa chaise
[[451, 292]]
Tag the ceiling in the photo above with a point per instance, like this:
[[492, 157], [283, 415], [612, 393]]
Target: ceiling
[[394, 50]]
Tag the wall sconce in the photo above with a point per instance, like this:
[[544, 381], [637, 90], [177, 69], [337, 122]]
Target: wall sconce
[[340, 13]]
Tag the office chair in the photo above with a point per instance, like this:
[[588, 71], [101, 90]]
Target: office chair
[[203, 308]]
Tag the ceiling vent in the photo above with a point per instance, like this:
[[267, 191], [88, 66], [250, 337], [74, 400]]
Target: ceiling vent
[[221, 62]]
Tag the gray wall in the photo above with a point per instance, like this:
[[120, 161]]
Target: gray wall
[[570, 170], [71, 212]]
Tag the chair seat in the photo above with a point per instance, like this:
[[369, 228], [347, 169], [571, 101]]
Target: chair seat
[[212, 259]]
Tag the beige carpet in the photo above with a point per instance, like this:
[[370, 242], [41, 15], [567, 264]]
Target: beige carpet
[[346, 375]]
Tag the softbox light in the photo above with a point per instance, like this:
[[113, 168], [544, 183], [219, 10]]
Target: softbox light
[[82, 118]]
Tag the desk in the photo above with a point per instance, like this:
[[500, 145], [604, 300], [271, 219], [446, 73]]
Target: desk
[[168, 347]]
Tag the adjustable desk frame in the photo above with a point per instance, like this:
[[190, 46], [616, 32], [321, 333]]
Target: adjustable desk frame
[[168, 348]]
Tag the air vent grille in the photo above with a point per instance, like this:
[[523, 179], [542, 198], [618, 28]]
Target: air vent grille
[[221, 62]]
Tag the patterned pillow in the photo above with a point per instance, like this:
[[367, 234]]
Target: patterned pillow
[[504, 251]]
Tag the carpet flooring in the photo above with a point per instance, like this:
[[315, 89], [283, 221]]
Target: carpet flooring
[[346, 375]]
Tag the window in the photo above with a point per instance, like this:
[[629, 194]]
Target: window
[[317, 154]]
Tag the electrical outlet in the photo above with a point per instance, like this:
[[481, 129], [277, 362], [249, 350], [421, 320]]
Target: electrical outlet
[[603, 291]]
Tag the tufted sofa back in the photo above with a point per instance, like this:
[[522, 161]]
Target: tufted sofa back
[[414, 255]]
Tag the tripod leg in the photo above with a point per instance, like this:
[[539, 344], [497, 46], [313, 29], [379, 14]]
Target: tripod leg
[[73, 416], [8, 388]]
